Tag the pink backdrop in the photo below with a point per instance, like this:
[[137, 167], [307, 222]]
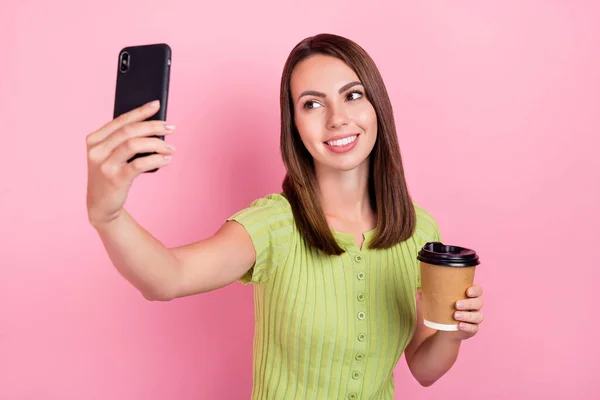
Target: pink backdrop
[[497, 106]]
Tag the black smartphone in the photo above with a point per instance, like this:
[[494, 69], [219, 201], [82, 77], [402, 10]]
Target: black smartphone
[[142, 76]]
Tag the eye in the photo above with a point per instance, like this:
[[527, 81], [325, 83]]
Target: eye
[[354, 95], [311, 104]]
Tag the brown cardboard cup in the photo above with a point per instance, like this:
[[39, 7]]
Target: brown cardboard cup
[[446, 274]]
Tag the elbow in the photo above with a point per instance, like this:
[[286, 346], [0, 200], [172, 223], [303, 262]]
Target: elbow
[[166, 290], [424, 379], [156, 295], [426, 382]]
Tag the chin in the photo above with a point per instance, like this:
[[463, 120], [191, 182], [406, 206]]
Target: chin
[[342, 165]]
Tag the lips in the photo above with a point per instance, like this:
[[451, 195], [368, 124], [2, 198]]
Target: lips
[[342, 143]]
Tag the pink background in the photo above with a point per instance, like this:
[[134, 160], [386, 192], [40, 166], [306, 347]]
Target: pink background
[[498, 110]]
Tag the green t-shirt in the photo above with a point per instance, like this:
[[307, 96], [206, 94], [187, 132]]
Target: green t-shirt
[[328, 327]]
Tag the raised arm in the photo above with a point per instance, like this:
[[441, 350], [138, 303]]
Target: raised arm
[[158, 272]]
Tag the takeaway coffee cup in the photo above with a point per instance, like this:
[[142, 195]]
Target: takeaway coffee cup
[[446, 274]]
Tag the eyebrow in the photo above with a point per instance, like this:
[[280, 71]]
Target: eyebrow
[[321, 94]]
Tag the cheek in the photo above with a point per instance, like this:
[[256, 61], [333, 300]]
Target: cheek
[[366, 117], [309, 127]]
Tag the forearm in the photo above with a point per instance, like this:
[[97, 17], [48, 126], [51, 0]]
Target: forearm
[[139, 257], [434, 357]]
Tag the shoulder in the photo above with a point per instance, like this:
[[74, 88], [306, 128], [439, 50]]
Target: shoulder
[[270, 209], [269, 221], [426, 227], [273, 201]]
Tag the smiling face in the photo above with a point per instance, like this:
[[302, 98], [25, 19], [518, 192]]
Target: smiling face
[[335, 120]]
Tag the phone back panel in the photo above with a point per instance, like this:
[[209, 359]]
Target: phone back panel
[[146, 78]]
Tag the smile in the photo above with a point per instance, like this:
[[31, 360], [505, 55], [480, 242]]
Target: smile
[[342, 145], [342, 142]]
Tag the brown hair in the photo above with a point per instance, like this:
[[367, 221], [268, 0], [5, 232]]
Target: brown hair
[[388, 191]]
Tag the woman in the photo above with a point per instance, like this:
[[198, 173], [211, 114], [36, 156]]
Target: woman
[[333, 257]]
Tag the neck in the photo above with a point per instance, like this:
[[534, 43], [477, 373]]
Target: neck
[[344, 195]]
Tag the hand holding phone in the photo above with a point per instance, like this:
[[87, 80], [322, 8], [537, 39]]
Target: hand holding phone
[[110, 155], [133, 142]]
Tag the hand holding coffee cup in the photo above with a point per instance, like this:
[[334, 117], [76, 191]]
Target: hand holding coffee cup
[[447, 274], [469, 314]]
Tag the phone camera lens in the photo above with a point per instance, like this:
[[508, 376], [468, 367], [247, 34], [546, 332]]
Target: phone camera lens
[[124, 62]]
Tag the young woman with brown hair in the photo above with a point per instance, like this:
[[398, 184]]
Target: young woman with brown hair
[[332, 257]]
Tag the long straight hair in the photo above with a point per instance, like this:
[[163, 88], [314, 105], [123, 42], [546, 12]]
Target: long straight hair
[[388, 192]]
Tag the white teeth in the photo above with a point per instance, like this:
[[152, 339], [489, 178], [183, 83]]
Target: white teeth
[[342, 142]]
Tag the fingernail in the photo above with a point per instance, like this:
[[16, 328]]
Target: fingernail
[[169, 127], [471, 292], [168, 158], [171, 147], [459, 304], [152, 104], [458, 315]]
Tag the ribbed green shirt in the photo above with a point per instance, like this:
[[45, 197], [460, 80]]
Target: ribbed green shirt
[[328, 327]]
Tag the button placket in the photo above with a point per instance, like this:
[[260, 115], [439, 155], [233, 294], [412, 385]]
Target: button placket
[[360, 285], [360, 319]]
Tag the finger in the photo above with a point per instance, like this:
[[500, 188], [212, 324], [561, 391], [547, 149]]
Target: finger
[[467, 327], [470, 304], [135, 115], [475, 291], [471, 317], [139, 145], [139, 129], [135, 130], [146, 163]]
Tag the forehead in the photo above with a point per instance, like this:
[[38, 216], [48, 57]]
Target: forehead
[[322, 73]]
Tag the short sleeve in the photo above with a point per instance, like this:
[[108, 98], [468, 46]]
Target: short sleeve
[[269, 221], [427, 231]]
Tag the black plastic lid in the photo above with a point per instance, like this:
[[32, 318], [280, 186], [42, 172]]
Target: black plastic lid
[[437, 253]]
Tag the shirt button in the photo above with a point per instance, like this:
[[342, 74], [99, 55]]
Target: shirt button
[[360, 297], [358, 258], [361, 337], [361, 315], [355, 375], [360, 276], [352, 396], [359, 357]]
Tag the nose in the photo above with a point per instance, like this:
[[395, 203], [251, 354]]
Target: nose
[[337, 118]]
